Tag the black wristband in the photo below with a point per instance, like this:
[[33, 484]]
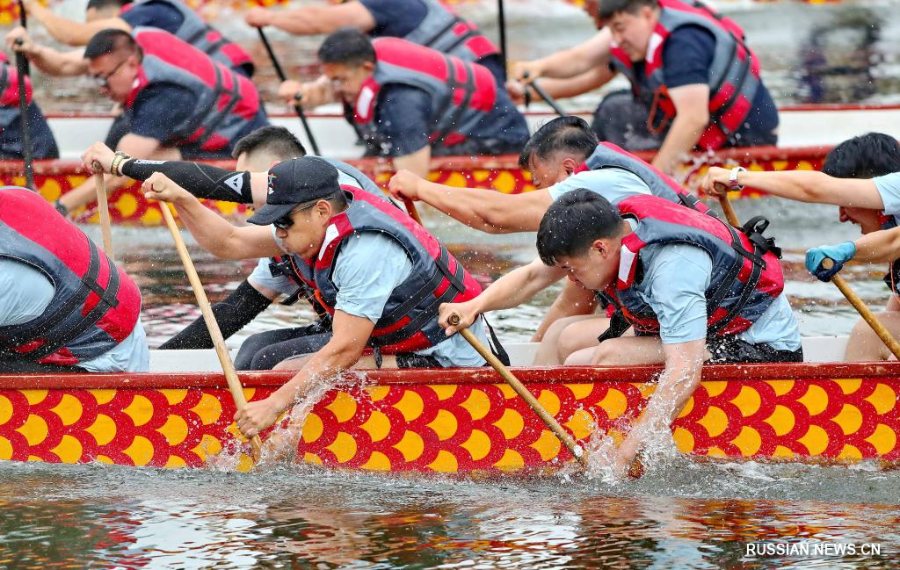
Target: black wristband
[[201, 180]]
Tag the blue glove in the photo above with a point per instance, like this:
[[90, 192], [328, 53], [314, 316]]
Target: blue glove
[[840, 254]]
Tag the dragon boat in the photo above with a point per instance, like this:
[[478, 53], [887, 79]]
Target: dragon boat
[[808, 133], [462, 421]]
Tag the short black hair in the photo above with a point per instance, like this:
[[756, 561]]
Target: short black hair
[[101, 4], [569, 134], [277, 141], [573, 222], [347, 46], [109, 41], [609, 8], [865, 156]]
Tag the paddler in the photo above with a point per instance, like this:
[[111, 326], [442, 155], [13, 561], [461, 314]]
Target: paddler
[[695, 83], [65, 306], [695, 289], [256, 154], [179, 103], [562, 156], [410, 102], [861, 176]]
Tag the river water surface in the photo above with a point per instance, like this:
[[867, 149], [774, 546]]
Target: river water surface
[[680, 515]]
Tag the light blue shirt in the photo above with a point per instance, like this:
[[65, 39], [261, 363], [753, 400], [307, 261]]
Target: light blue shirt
[[261, 276], [614, 184], [26, 295], [889, 188], [366, 271], [674, 285]]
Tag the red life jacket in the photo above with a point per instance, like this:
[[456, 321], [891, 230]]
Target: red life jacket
[[462, 93], [409, 320], [443, 30], [608, 155], [202, 36], [9, 93], [95, 305], [746, 275], [733, 75], [226, 102]]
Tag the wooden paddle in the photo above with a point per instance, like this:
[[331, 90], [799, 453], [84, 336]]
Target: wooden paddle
[[234, 383], [523, 392], [885, 335], [103, 205], [27, 150], [412, 210], [282, 77], [727, 208]]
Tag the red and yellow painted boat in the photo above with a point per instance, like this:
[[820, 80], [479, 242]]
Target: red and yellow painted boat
[[459, 421]]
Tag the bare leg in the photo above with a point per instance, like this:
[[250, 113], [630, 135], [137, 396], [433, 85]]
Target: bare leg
[[864, 344], [548, 353], [623, 351]]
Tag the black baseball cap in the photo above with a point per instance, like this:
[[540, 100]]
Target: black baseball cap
[[295, 182]]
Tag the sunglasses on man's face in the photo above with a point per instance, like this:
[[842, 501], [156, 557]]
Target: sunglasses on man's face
[[287, 220]]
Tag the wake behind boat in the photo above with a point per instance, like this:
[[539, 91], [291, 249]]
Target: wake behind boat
[[463, 421]]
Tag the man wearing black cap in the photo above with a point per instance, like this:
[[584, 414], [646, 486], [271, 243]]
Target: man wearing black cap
[[379, 274]]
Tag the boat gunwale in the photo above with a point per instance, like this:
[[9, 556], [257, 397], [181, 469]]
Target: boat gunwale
[[866, 371]]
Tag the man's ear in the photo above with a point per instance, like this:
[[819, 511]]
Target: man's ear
[[570, 164]]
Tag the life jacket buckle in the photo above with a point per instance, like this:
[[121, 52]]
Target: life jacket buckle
[[754, 228]]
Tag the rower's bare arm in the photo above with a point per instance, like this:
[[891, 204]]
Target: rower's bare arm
[[801, 185], [679, 379], [485, 210], [314, 19], [572, 86], [212, 232], [692, 117], [350, 335], [878, 246], [49, 60], [516, 287], [418, 162], [71, 32], [569, 62]]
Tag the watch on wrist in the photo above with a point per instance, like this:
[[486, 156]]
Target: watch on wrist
[[733, 183]]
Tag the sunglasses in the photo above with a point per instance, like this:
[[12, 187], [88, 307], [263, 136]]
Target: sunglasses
[[287, 220]]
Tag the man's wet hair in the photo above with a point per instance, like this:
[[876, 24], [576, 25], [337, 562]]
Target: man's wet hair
[[278, 142], [609, 8], [573, 222], [110, 41], [347, 46], [865, 156], [103, 4], [562, 134]]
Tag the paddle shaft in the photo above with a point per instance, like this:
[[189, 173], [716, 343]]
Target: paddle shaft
[[886, 337], [103, 205], [729, 212], [412, 210], [23, 21], [546, 97], [281, 76], [501, 23], [523, 392], [27, 150], [234, 383]]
